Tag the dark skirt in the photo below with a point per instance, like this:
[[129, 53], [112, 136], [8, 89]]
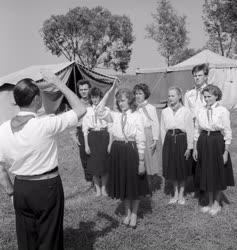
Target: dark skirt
[[97, 161], [211, 173], [175, 166], [124, 181]]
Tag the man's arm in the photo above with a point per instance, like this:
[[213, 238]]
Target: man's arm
[[5, 180], [78, 107]]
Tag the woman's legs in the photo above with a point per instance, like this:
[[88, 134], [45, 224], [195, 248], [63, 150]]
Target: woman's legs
[[127, 204], [181, 199], [96, 180], [104, 179], [206, 209], [216, 203], [133, 220], [176, 193]]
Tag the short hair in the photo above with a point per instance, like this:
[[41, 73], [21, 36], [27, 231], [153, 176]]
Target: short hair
[[201, 67], [95, 92], [179, 93], [214, 90], [83, 82], [144, 88], [129, 95], [25, 91]]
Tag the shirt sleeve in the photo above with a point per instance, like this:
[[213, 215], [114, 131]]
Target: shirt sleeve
[[55, 124], [162, 127], [227, 129], [186, 103], [86, 123], [155, 124], [2, 155], [196, 128], [189, 127], [140, 134]]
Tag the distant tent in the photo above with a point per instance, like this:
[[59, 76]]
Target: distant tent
[[223, 73], [69, 73]]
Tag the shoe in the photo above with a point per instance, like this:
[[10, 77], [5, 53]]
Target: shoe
[[126, 221], [98, 194], [173, 200], [181, 201], [133, 221], [104, 193], [213, 211], [205, 209]]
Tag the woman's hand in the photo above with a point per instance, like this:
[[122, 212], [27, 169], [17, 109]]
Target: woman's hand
[[109, 148], [225, 157], [187, 153], [141, 168], [195, 154], [87, 149]]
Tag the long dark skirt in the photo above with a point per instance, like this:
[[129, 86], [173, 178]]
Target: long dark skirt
[[97, 161], [211, 174], [175, 166], [124, 181]]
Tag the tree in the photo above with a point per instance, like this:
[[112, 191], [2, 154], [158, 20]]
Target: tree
[[94, 37], [168, 30], [220, 20]]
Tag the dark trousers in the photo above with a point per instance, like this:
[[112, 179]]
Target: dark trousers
[[83, 154], [39, 209]]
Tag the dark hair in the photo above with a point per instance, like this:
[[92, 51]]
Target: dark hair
[[144, 88], [201, 67], [129, 95], [83, 82], [95, 92], [214, 90], [179, 93], [25, 91]]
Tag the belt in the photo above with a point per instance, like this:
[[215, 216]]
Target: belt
[[97, 129], [47, 175], [175, 132], [208, 132], [123, 139]]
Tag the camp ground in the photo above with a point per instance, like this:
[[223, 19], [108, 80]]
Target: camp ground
[[69, 73]]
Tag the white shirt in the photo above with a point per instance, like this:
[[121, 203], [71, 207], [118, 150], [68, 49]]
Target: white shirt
[[134, 128], [182, 120], [152, 120], [33, 149], [91, 121], [219, 120], [193, 99]]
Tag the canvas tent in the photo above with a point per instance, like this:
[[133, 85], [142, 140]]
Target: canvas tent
[[223, 73], [69, 73]]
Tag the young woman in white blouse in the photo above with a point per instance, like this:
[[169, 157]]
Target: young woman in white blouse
[[152, 128], [127, 179], [177, 139], [96, 143], [212, 138]]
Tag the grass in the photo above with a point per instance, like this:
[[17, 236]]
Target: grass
[[95, 223]]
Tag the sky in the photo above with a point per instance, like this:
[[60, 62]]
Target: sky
[[20, 21]]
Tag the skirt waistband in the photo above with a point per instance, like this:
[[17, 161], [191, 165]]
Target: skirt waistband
[[124, 140], [47, 175], [208, 132], [97, 129], [175, 131]]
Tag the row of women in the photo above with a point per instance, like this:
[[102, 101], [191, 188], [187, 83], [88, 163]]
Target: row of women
[[122, 146]]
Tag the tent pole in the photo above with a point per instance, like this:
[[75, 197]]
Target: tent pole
[[74, 78]]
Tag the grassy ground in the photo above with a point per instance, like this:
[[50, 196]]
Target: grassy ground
[[95, 223]]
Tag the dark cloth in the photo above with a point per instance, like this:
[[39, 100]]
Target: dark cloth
[[97, 161], [211, 173], [83, 155], [39, 208], [124, 182], [175, 166]]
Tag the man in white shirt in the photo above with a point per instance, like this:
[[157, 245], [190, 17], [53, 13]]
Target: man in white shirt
[[29, 148]]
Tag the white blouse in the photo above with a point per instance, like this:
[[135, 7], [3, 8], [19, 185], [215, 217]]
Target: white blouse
[[133, 129], [182, 120], [217, 119], [151, 121], [91, 121]]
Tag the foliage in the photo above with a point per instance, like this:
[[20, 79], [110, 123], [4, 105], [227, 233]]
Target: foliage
[[220, 20], [94, 37], [168, 30]]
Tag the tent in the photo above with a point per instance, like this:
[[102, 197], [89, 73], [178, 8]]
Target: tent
[[69, 73], [223, 73]]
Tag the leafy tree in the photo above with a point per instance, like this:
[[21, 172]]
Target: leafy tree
[[94, 37], [168, 30], [220, 20]]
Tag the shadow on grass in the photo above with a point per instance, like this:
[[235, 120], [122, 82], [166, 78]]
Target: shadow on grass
[[86, 234]]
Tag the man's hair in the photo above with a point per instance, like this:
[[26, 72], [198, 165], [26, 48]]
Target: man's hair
[[83, 82], [25, 91], [144, 88], [213, 90], [95, 92], [129, 95], [201, 67]]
